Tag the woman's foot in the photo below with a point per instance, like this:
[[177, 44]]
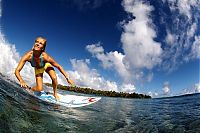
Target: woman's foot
[[56, 96]]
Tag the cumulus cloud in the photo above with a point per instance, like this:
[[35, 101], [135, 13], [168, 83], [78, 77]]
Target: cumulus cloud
[[197, 88], [95, 49], [153, 94], [191, 31], [138, 37], [193, 89], [140, 49], [166, 88], [185, 6], [87, 77], [170, 38], [128, 88], [110, 60], [195, 51]]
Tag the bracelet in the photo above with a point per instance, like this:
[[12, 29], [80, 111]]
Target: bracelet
[[67, 78]]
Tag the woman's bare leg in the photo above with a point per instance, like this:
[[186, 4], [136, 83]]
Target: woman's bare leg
[[53, 77], [39, 83]]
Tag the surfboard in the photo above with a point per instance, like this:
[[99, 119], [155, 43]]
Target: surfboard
[[66, 100]]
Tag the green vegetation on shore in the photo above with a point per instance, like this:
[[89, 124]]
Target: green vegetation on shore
[[100, 92]]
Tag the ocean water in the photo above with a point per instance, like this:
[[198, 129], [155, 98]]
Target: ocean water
[[20, 112]]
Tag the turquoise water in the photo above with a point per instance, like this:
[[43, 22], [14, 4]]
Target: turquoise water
[[20, 112]]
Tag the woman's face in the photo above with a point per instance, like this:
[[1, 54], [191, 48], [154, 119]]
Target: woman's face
[[39, 44]]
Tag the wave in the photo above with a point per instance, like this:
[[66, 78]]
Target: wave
[[21, 112], [9, 61]]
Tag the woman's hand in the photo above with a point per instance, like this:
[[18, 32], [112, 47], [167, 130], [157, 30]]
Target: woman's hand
[[23, 84], [71, 82]]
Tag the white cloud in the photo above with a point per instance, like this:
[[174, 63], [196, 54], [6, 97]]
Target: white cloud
[[194, 89], [140, 49], [166, 88], [130, 88], [95, 49], [184, 6], [84, 76], [153, 94], [191, 31], [197, 88], [138, 37], [170, 38], [195, 51], [87, 77], [110, 60], [98, 52]]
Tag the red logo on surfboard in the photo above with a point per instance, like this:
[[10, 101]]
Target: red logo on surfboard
[[91, 99]]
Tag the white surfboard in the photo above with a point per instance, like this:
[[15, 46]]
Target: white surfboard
[[67, 100]]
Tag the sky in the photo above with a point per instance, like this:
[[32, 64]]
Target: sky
[[143, 46]]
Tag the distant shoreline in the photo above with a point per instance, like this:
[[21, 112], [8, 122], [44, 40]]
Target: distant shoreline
[[100, 92], [177, 96]]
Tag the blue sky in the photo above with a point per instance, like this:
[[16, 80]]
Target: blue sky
[[147, 46]]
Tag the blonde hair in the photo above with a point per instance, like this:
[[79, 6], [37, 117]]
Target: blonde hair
[[45, 42]]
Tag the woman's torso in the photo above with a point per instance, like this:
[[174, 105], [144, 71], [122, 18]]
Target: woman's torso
[[37, 62]]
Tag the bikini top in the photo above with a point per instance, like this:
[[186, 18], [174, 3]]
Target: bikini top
[[34, 60]]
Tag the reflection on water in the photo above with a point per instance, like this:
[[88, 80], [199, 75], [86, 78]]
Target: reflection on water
[[20, 112]]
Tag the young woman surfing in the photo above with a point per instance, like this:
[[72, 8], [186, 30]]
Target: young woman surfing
[[41, 61]]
